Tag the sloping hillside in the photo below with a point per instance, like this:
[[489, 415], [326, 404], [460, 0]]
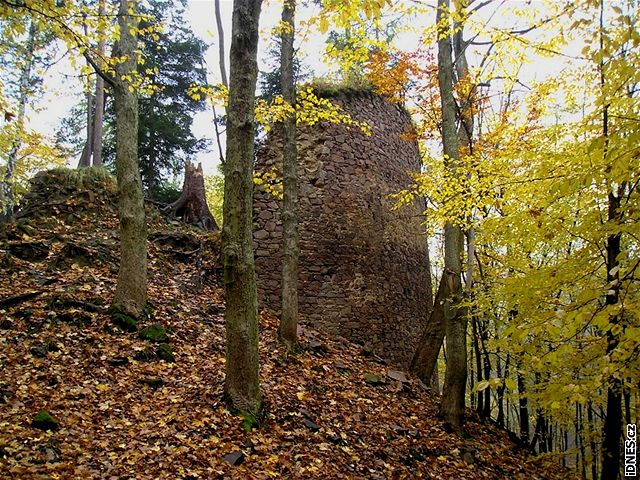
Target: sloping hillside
[[125, 410]]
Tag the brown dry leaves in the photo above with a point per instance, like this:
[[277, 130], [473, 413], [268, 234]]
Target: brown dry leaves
[[322, 419]]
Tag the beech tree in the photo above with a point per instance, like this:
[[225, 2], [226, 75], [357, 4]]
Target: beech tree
[[24, 82], [453, 397], [99, 104], [66, 22], [25, 51], [131, 290], [289, 320], [548, 187], [172, 61], [242, 381], [95, 102]]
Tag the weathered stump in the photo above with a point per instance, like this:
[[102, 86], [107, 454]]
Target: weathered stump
[[192, 207]]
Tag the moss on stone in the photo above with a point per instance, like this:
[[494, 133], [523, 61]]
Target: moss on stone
[[327, 88], [145, 355], [373, 379], [154, 333], [124, 321], [78, 177], [165, 352], [44, 421]]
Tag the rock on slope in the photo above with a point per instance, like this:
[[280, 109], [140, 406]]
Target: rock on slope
[[123, 409]]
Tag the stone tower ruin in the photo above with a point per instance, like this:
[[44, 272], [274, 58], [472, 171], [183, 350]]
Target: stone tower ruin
[[364, 267]]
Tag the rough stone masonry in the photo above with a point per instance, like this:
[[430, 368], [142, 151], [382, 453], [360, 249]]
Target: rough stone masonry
[[364, 267]]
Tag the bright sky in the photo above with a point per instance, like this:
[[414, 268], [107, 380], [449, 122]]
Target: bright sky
[[201, 14], [65, 89]]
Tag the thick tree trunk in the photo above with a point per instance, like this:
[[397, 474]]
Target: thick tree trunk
[[242, 381], [12, 160], [287, 331], [192, 205], [131, 290], [453, 398], [612, 427], [425, 359]]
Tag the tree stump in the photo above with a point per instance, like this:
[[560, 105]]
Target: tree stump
[[192, 207]]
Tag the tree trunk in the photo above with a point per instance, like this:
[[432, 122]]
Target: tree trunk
[[478, 356], [627, 406], [288, 328], [192, 205], [486, 366], [465, 129], [453, 398], [471, 376], [98, 114], [425, 359], [612, 427], [221, 52], [85, 156], [131, 290], [579, 439], [12, 160], [523, 404], [223, 75], [540, 434], [500, 393], [592, 442], [242, 381]]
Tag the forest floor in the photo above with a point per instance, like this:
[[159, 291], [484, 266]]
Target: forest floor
[[332, 411]]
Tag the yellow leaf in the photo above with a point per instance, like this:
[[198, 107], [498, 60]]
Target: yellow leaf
[[324, 25]]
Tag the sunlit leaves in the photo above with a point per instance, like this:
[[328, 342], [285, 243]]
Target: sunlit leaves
[[270, 180], [80, 26], [214, 191], [310, 109], [342, 13], [216, 94], [35, 153]]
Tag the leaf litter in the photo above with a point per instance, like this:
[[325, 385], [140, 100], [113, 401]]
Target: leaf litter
[[124, 413]]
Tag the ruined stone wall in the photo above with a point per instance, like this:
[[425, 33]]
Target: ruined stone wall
[[364, 268]]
